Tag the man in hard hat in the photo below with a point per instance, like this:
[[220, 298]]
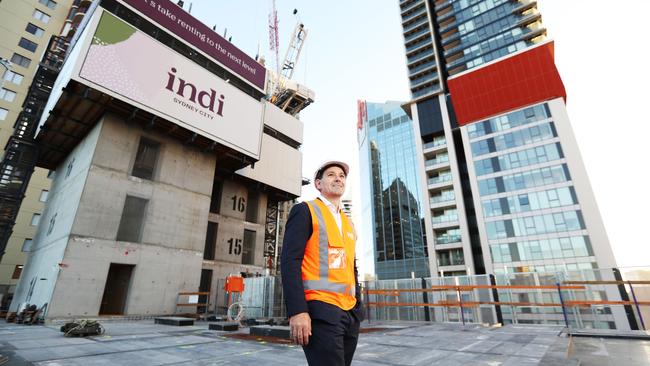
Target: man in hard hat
[[319, 274]]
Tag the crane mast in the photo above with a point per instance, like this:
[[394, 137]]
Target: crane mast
[[284, 92]]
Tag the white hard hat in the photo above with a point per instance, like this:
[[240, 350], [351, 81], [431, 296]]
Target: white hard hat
[[319, 172]]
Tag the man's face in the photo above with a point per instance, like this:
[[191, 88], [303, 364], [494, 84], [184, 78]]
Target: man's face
[[332, 183]]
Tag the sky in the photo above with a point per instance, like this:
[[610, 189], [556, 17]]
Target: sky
[[354, 50]]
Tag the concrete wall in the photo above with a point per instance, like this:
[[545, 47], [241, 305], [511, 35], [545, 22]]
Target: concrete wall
[[168, 258], [42, 268], [231, 225], [280, 166], [282, 122]]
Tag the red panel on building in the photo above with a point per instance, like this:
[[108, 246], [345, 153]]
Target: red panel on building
[[514, 82]]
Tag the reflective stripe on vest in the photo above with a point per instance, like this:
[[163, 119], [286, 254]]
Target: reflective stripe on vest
[[323, 284]]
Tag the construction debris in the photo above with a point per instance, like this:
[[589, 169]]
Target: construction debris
[[82, 328], [174, 320], [29, 315]]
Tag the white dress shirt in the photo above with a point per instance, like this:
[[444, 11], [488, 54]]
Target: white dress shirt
[[335, 210]]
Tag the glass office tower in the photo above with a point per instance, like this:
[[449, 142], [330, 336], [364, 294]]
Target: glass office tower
[[392, 193]]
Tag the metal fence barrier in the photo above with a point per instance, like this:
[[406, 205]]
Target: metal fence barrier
[[598, 298]]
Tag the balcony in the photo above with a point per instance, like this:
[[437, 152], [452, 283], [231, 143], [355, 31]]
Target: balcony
[[425, 91], [415, 24], [448, 239], [444, 221], [441, 5], [451, 267], [415, 35], [437, 142], [421, 56], [524, 5], [422, 81], [442, 198], [449, 26], [415, 14], [422, 67], [447, 199], [452, 257], [440, 159], [411, 6], [441, 180], [436, 163], [447, 246], [445, 16], [418, 45]]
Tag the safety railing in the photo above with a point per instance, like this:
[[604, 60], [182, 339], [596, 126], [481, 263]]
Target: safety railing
[[462, 299], [580, 299]]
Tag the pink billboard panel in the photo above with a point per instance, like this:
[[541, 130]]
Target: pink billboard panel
[[173, 18], [139, 69]]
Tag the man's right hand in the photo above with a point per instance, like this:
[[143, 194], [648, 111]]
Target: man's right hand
[[300, 325]]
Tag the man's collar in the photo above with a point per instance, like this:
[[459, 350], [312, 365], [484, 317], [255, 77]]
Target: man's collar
[[329, 203]]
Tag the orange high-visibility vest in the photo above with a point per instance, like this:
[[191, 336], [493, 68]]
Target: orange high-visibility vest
[[328, 264]]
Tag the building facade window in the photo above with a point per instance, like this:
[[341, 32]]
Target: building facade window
[[8, 95], [20, 60], [210, 241], [36, 218], [132, 221], [514, 139], [535, 225], [453, 257], [13, 77], [535, 155], [27, 245], [39, 15], [28, 45], [524, 180], [508, 121], [145, 159], [555, 197], [44, 194], [252, 207], [17, 271], [542, 249], [248, 251], [49, 3], [215, 198], [35, 30], [3, 114]]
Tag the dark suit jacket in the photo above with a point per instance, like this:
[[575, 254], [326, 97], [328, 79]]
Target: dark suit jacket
[[297, 232]]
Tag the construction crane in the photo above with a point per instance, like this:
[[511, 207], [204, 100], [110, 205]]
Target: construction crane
[[285, 93], [274, 38], [293, 51]]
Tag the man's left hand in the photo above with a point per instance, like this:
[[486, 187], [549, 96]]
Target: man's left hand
[[300, 325]]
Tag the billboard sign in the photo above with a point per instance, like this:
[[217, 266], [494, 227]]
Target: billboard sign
[[176, 20], [128, 63]]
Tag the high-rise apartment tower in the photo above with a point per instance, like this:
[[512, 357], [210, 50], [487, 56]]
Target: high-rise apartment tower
[[506, 190]]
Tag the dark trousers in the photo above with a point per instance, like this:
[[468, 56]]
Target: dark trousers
[[333, 340]]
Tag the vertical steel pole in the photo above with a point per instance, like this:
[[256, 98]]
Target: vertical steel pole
[[559, 291], [367, 301], [425, 299], [460, 302]]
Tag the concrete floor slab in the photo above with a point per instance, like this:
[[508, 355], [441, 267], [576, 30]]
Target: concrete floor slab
[[142, 343]]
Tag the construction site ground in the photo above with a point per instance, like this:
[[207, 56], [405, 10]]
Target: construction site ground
[[144, 343]]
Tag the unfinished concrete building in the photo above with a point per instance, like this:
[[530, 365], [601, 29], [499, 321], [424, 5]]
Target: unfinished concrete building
[[168, 166]]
